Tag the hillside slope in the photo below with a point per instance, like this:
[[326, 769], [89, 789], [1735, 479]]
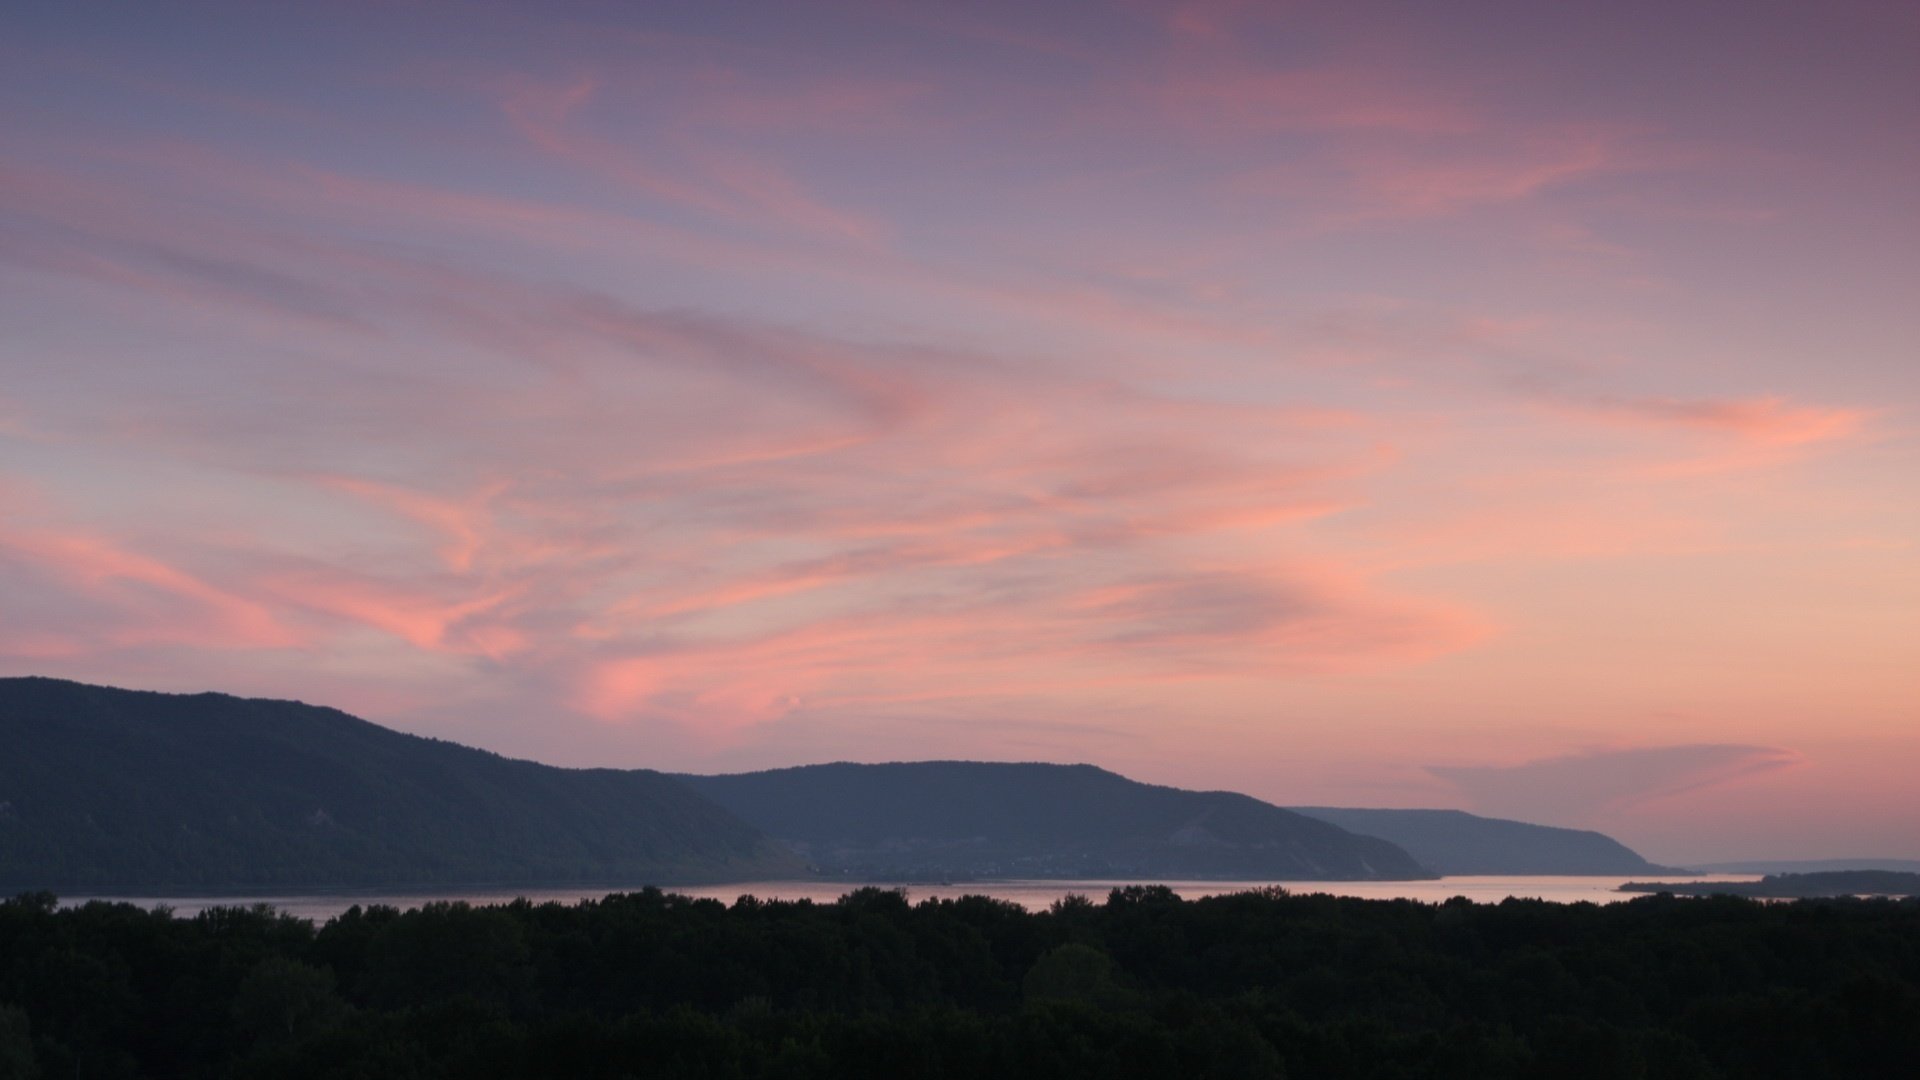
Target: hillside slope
[[952, 819], [1455, 842], [1806, 866], [120, 789], [1819, 884]]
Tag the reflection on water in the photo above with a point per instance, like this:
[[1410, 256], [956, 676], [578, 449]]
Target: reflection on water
[[1033, 895]]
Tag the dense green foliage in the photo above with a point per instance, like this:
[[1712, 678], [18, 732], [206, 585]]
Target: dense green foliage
[[1794, 886], [105, 789], [1454, 842], [966, 819], [1143, 985]]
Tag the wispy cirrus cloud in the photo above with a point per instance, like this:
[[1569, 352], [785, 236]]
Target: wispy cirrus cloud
[[634, 506], [1334, 98], [78, 593], [1712, 435], [727, 182], [1770, 421], [1577, 788], [1249, 386]]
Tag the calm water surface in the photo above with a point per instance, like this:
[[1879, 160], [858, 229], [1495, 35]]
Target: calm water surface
[[1033, 895]]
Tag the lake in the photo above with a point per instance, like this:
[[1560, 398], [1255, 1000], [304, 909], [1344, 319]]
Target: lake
[[1033, 895]]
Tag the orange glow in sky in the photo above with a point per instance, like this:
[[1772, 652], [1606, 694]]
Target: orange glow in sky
[[1488, 405]]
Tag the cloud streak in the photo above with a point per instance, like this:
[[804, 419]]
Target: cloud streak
[[1581, 788], [1248, 389]]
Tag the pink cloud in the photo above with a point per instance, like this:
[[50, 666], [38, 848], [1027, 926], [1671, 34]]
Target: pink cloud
[[980, 472], [137, 599], [1738, 434], [1209, 21], [948, 22], [978, 469], [1771, 422], [1524, 168], [727, 182], [1576, 789], [114, 220], [1322, 99], [1222, 624], [1198, 367], [1377, 181], [465, 523], [413, 614], [733, 97]]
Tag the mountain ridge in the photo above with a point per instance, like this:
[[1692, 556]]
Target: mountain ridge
[[106, 788], [1457, 842], [1038, 819], [109, 789], [1805, 866], [1815, 885]]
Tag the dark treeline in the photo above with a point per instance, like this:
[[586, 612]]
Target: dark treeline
[[1794, 886], [1143, 985]]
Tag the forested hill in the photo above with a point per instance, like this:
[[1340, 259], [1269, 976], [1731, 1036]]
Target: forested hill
[[105, 789], [1806, 866], [1453, 842], [1793, 886], [954, 819]]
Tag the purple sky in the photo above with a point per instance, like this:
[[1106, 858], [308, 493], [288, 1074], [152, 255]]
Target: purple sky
[[1496, 405]]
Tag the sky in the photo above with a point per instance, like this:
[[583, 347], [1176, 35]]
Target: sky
[[1503, 406]]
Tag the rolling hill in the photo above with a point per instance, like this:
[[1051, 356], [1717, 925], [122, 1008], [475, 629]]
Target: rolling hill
[[955, 819], [111, 790], [1455, 842], [1819, 884], [1806, 866]]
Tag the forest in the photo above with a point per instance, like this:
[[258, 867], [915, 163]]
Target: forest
[[1139, 984], [103, 788], [1794, 886]]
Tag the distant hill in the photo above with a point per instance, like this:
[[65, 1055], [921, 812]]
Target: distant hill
[[1806, 866], [1793, 886], [1453, 842], [952, 819], [104, 789]]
